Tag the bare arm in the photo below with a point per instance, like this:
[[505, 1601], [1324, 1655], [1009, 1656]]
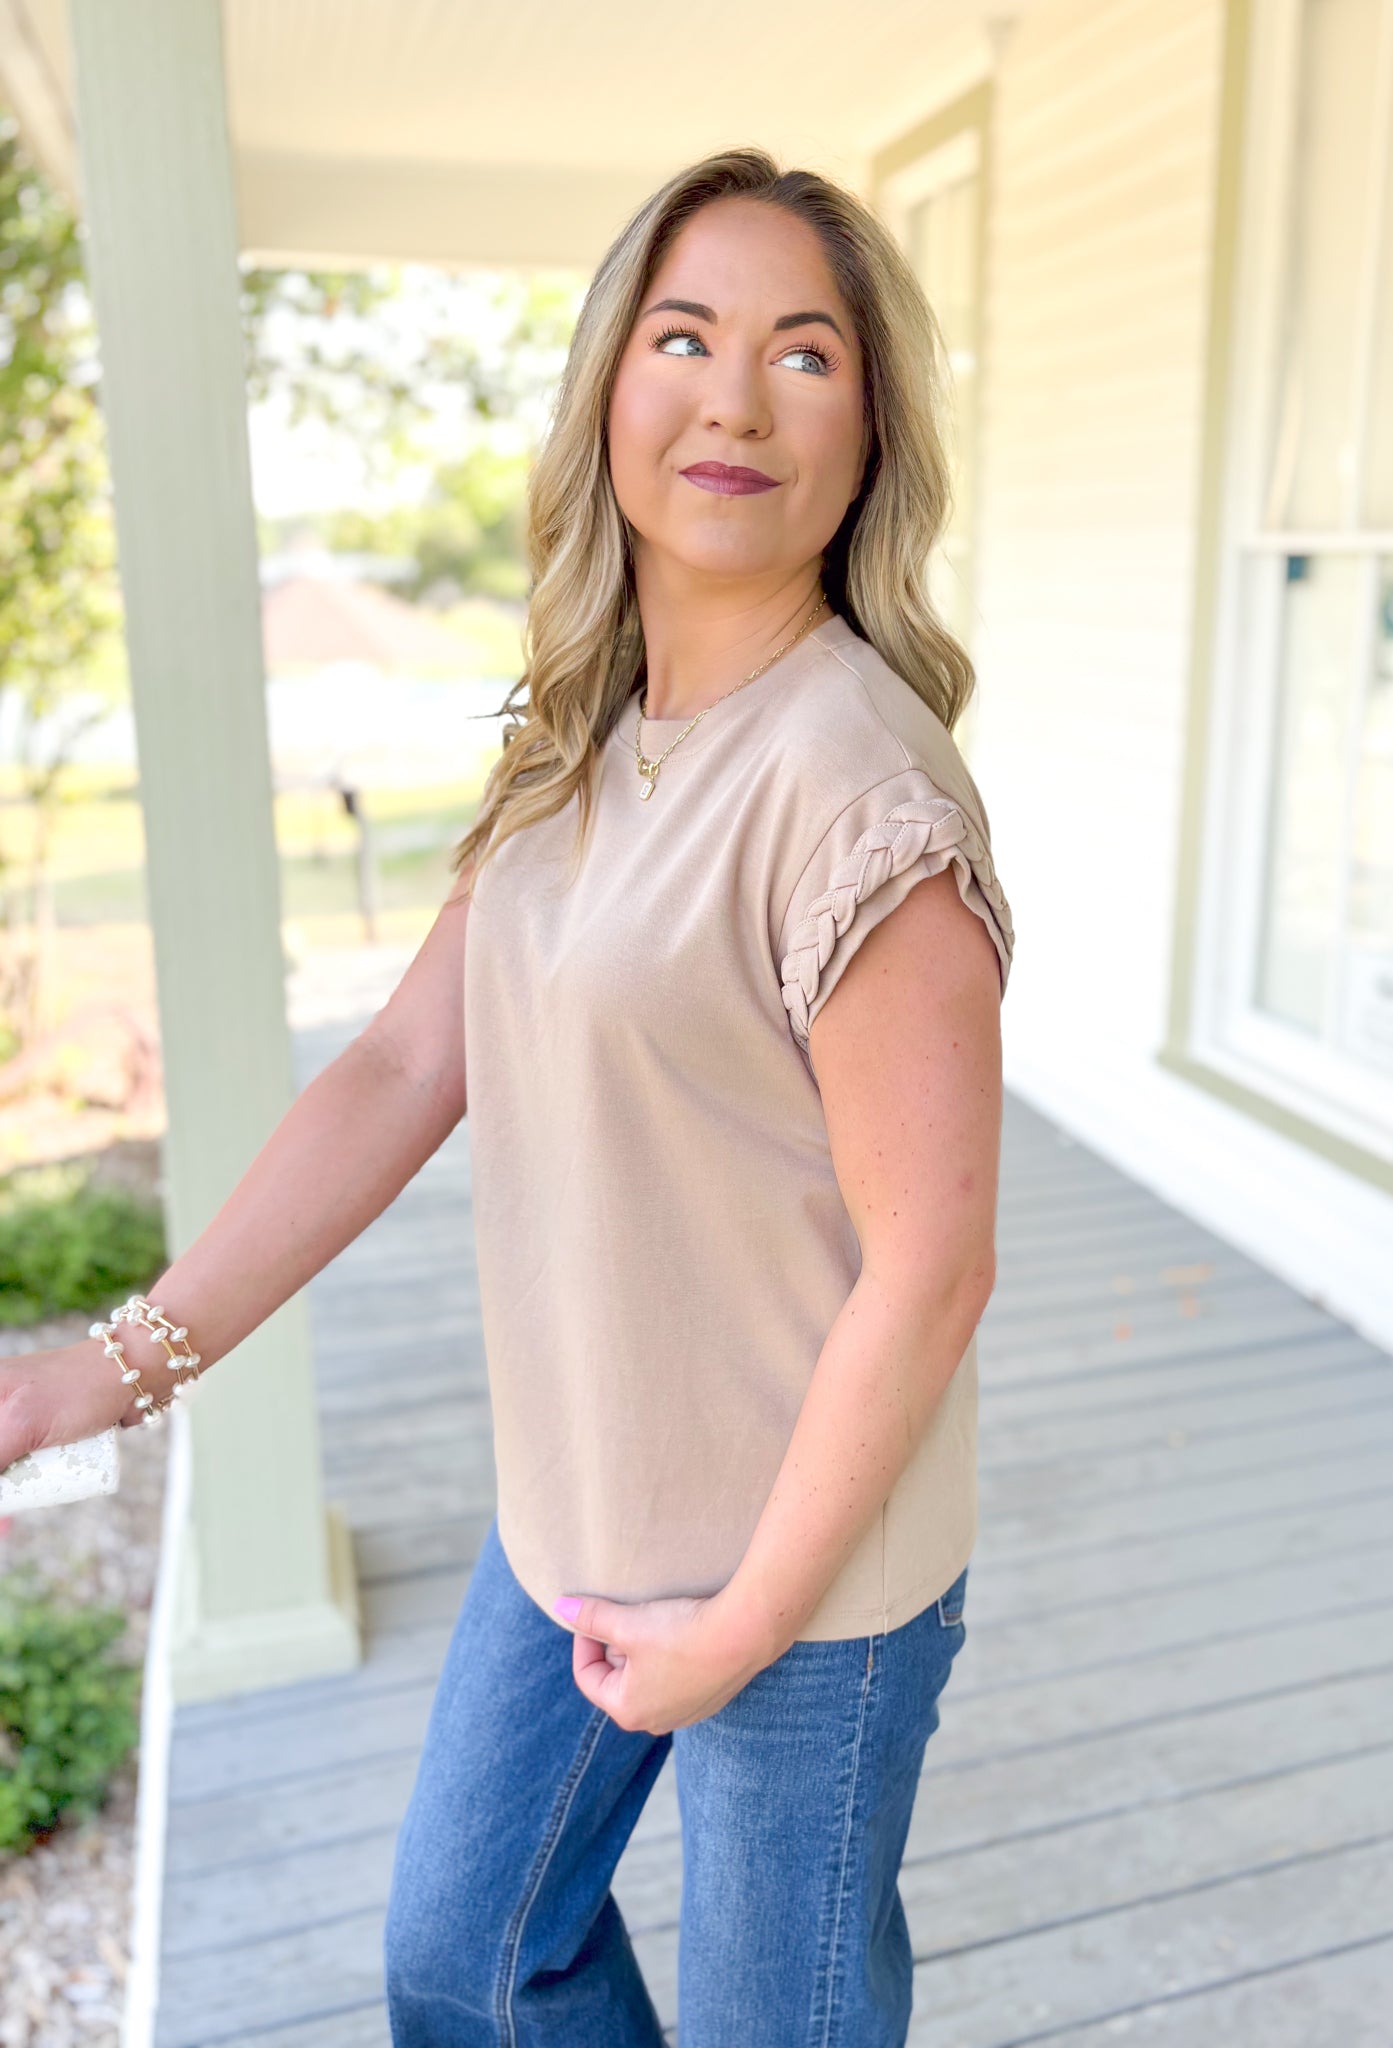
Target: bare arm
[[343, 1151], [907, 1050]]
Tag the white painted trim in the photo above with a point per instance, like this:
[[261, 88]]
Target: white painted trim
[[952, 83], [1380, 166], [156, 1725], [1295, 1074], [959, 156], [36, 95], [1229, 1033], [1331, 1244], [345, 211], [1316, 540]]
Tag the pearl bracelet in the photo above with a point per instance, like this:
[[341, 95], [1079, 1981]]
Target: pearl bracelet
[[139, 1310]]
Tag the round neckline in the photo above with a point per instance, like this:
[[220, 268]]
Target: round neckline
[[659, 732]]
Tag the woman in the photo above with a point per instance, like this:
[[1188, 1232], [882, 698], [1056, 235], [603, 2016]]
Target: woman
[[732, 950]]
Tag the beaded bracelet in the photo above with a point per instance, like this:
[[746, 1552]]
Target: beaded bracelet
[[139, 1310]]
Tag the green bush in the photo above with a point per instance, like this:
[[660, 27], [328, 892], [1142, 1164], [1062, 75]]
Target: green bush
[[68, 1715], [67, 1244]]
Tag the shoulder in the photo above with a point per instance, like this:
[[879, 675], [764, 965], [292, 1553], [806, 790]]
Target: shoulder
[[877, 797], [853, 723]]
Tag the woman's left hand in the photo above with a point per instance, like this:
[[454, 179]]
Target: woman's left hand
[[656, 1665]]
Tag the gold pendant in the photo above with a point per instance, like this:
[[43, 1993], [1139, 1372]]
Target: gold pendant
[[646, 788]]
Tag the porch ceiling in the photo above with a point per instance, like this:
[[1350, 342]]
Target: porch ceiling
[[501, 131]]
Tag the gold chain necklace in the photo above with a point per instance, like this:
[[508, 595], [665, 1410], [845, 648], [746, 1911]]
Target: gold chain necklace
[[648, 770]]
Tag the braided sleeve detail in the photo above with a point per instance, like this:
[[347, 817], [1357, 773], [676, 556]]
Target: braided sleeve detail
[[928, 830]]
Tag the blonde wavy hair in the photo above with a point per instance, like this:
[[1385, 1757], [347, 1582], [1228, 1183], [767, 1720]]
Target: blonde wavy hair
[[583, 641]]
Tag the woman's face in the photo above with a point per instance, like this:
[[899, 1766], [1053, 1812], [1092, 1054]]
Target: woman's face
[[743, 358]]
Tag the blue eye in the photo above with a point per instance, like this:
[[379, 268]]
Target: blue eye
[[668, 334], [808, 351], [811, 350]]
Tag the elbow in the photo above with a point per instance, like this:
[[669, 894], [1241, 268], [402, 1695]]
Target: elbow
[[928, 1297], [964, 1296], [979, 1281]]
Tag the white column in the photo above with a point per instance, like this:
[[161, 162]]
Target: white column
[[265, 1591]]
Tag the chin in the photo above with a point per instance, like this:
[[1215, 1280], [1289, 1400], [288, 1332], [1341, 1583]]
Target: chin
[[731, 552]]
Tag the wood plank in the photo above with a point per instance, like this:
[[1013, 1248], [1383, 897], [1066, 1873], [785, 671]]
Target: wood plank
[[361, 2026], [1100, 1349], [1342, 1997], [1030, 1987], [1217, 1413], [1017, 1990], [302, 1744], [1006, 1403], [252, 1828], [958, 1898], [304, 1888], [1015, 1521], [399, 1657], [366, 1704], [1171, 1712], [301, 1975]]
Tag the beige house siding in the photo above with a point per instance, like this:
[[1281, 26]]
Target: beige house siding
[[1100, 246], [1096, 299]]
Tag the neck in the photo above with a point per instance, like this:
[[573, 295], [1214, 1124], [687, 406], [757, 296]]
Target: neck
[[701, 639]]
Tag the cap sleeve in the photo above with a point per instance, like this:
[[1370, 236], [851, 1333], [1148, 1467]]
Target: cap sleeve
[[892, 836]]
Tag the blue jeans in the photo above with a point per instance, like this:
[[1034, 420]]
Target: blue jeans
[[795, 1798]]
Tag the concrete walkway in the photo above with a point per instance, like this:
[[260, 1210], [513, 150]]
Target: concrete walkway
[[1159, 1806]]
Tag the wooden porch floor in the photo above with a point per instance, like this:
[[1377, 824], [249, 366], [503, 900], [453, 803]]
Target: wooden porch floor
[[1159, 1805]]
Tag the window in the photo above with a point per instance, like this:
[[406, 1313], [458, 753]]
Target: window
[[930, 191], [1296, 929]]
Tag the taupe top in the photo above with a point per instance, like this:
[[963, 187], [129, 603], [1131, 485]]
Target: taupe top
[[662, 1243]]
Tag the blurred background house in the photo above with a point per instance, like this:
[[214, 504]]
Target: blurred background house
[[1158, 236]]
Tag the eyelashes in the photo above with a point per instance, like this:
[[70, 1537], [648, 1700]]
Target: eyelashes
[[813, 348], [673, 334], [825, 356]]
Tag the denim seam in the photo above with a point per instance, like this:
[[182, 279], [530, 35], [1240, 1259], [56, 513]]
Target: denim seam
[[507, 1970], [830, 1969]]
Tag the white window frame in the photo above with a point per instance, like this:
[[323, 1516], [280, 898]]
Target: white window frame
[[960, 153], [958, 156], [1229, 1033]]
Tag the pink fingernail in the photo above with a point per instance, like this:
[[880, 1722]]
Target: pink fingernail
[[568, 1607]]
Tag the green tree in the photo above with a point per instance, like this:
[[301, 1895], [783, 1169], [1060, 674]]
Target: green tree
[[463, 534], [374, 359], [58, 601], [443, 384], [380, 356]]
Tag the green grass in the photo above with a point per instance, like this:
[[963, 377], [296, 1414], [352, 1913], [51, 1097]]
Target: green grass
[[68, 1711], [67, 1244], [414, 830]]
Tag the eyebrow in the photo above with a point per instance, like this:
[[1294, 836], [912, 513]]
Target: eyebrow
[[700, 312]]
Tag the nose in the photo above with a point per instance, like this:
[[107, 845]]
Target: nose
[[735, 399]]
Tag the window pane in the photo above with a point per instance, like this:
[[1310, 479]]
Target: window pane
[[1378, 505], [941, 243], [1314, 442], [1303, 913], [1366, 1013], [942, 246]]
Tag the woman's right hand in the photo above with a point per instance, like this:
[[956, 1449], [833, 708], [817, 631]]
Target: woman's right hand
[[60, 1396]]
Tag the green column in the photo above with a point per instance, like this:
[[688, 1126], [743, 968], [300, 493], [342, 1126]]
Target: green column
[[264, 1590]]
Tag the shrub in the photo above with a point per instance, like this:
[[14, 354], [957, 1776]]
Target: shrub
[[67, 1712], [66, 1244]]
